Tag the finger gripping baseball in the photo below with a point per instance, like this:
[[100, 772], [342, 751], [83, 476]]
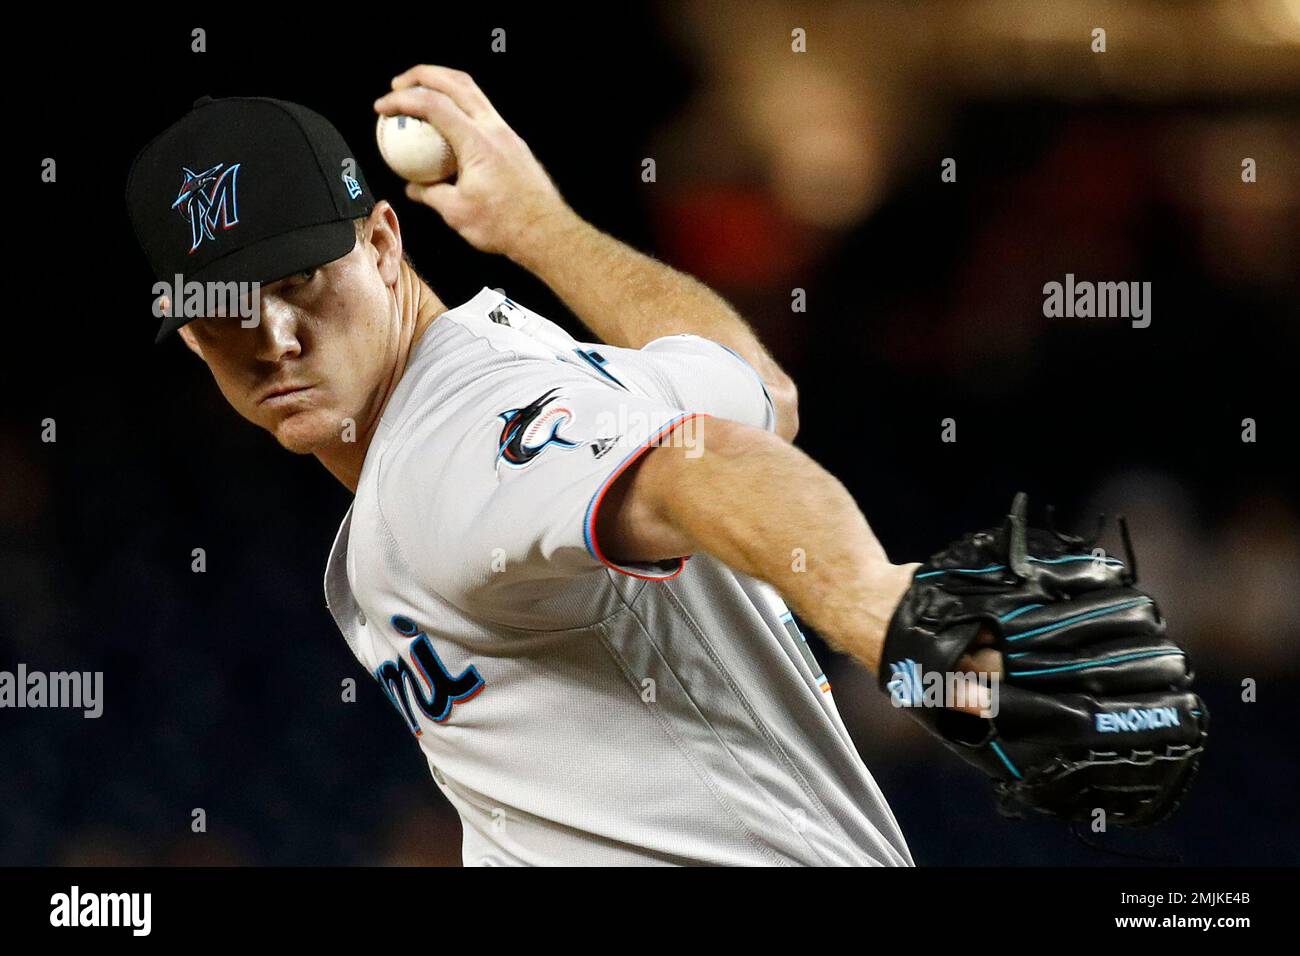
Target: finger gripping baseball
[[1093, 708]]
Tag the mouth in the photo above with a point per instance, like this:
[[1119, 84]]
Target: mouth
[[282, 394]]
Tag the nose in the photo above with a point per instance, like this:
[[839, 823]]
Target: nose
[[277, 333]]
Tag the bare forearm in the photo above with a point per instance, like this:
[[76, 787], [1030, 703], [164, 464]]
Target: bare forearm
[[628, 298], [766, 509]]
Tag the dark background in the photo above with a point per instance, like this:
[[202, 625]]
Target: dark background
[[775, 170]]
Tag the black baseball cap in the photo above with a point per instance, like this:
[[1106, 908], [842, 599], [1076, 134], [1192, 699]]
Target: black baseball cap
[[245, 189]]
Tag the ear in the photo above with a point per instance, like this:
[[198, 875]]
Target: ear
[[187, 334], [385, 236]]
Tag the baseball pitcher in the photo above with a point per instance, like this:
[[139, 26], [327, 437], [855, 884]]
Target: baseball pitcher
[[567, 564]]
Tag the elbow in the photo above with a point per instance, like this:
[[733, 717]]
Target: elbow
[[785, 403]]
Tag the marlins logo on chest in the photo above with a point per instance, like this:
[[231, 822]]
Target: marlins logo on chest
[[527, 432]]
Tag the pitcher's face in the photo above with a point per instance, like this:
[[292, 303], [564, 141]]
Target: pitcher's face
[[322, 354]]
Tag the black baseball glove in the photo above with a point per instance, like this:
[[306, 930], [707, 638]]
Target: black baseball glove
[[1093, 709]]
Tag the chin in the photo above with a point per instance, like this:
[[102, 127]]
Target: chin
[[307, 432]]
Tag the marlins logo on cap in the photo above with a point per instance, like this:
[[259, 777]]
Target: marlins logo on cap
[[209, 199]]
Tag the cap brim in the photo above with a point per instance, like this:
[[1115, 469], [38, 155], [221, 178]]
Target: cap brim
[[270, 260]]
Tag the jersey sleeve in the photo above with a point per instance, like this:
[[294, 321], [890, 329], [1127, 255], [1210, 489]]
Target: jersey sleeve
[[499, 507], [693, 373]]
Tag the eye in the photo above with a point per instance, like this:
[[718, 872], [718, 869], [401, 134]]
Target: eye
[[299, 279]]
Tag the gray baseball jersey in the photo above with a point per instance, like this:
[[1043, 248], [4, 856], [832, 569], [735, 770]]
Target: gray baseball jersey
[[575, 711]]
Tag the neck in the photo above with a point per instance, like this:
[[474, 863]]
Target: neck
[[417, 307]]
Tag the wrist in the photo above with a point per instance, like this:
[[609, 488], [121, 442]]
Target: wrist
[[886, 584], [890, 582], [545, 238]]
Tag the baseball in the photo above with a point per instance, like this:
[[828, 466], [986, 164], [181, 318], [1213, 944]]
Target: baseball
[[414, 150]]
